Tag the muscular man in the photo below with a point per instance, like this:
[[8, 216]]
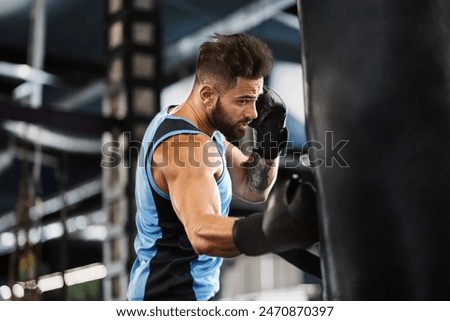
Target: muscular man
[[188, 172]]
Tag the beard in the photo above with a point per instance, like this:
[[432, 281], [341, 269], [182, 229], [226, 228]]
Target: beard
[[223, 123]]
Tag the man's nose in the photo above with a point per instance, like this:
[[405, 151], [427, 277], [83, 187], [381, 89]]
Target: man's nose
[[252, 112]]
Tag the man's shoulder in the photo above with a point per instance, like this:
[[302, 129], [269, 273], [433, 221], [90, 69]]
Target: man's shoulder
[[192, 143]]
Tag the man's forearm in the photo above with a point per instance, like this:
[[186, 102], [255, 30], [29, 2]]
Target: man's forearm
[[261, 173]]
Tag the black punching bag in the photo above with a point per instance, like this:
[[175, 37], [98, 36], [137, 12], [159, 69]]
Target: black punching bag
[[377, 83]]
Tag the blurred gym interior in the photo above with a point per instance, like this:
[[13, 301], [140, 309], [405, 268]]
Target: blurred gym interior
[[81, 79]]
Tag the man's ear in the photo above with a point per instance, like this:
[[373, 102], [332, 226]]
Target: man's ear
[[208, 95]]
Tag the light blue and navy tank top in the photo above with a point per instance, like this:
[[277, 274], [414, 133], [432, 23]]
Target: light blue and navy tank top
[[166, 266]]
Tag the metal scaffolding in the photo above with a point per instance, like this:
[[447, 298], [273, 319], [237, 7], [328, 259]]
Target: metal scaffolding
[[132, 93]]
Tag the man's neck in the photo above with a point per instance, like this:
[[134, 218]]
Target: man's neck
[[195, 112]]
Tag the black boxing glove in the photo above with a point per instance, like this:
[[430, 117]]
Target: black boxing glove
[[249, 237], [290, 219], [250, 240], [270, 125]]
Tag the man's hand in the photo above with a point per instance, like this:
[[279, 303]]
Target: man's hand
[[290, 220], [270, 124]]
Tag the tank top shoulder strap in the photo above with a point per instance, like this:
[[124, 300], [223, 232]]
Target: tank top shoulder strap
[[170, 127], [173, 126]]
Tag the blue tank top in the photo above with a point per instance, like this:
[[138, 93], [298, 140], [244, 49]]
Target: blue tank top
[[166, 266]]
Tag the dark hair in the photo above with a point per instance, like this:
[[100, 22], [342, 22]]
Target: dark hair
[[227, 57]]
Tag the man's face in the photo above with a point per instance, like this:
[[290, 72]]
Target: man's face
[[235, 109]]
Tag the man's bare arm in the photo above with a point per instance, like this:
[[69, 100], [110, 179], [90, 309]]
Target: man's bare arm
[[252, 176], [196, 200]]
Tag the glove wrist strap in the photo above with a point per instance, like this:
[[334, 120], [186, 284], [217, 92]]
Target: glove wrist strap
[[248, 235]]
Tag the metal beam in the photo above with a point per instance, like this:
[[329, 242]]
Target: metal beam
[[6, 159], [288, 19], [79, 123], [29, 73], [85, 227], [88, 93], [56, 203], [241, 20], [52, 139], [36, 46], [36, 42]]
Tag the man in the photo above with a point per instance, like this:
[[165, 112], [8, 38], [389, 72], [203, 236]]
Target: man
[[189, 172]]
